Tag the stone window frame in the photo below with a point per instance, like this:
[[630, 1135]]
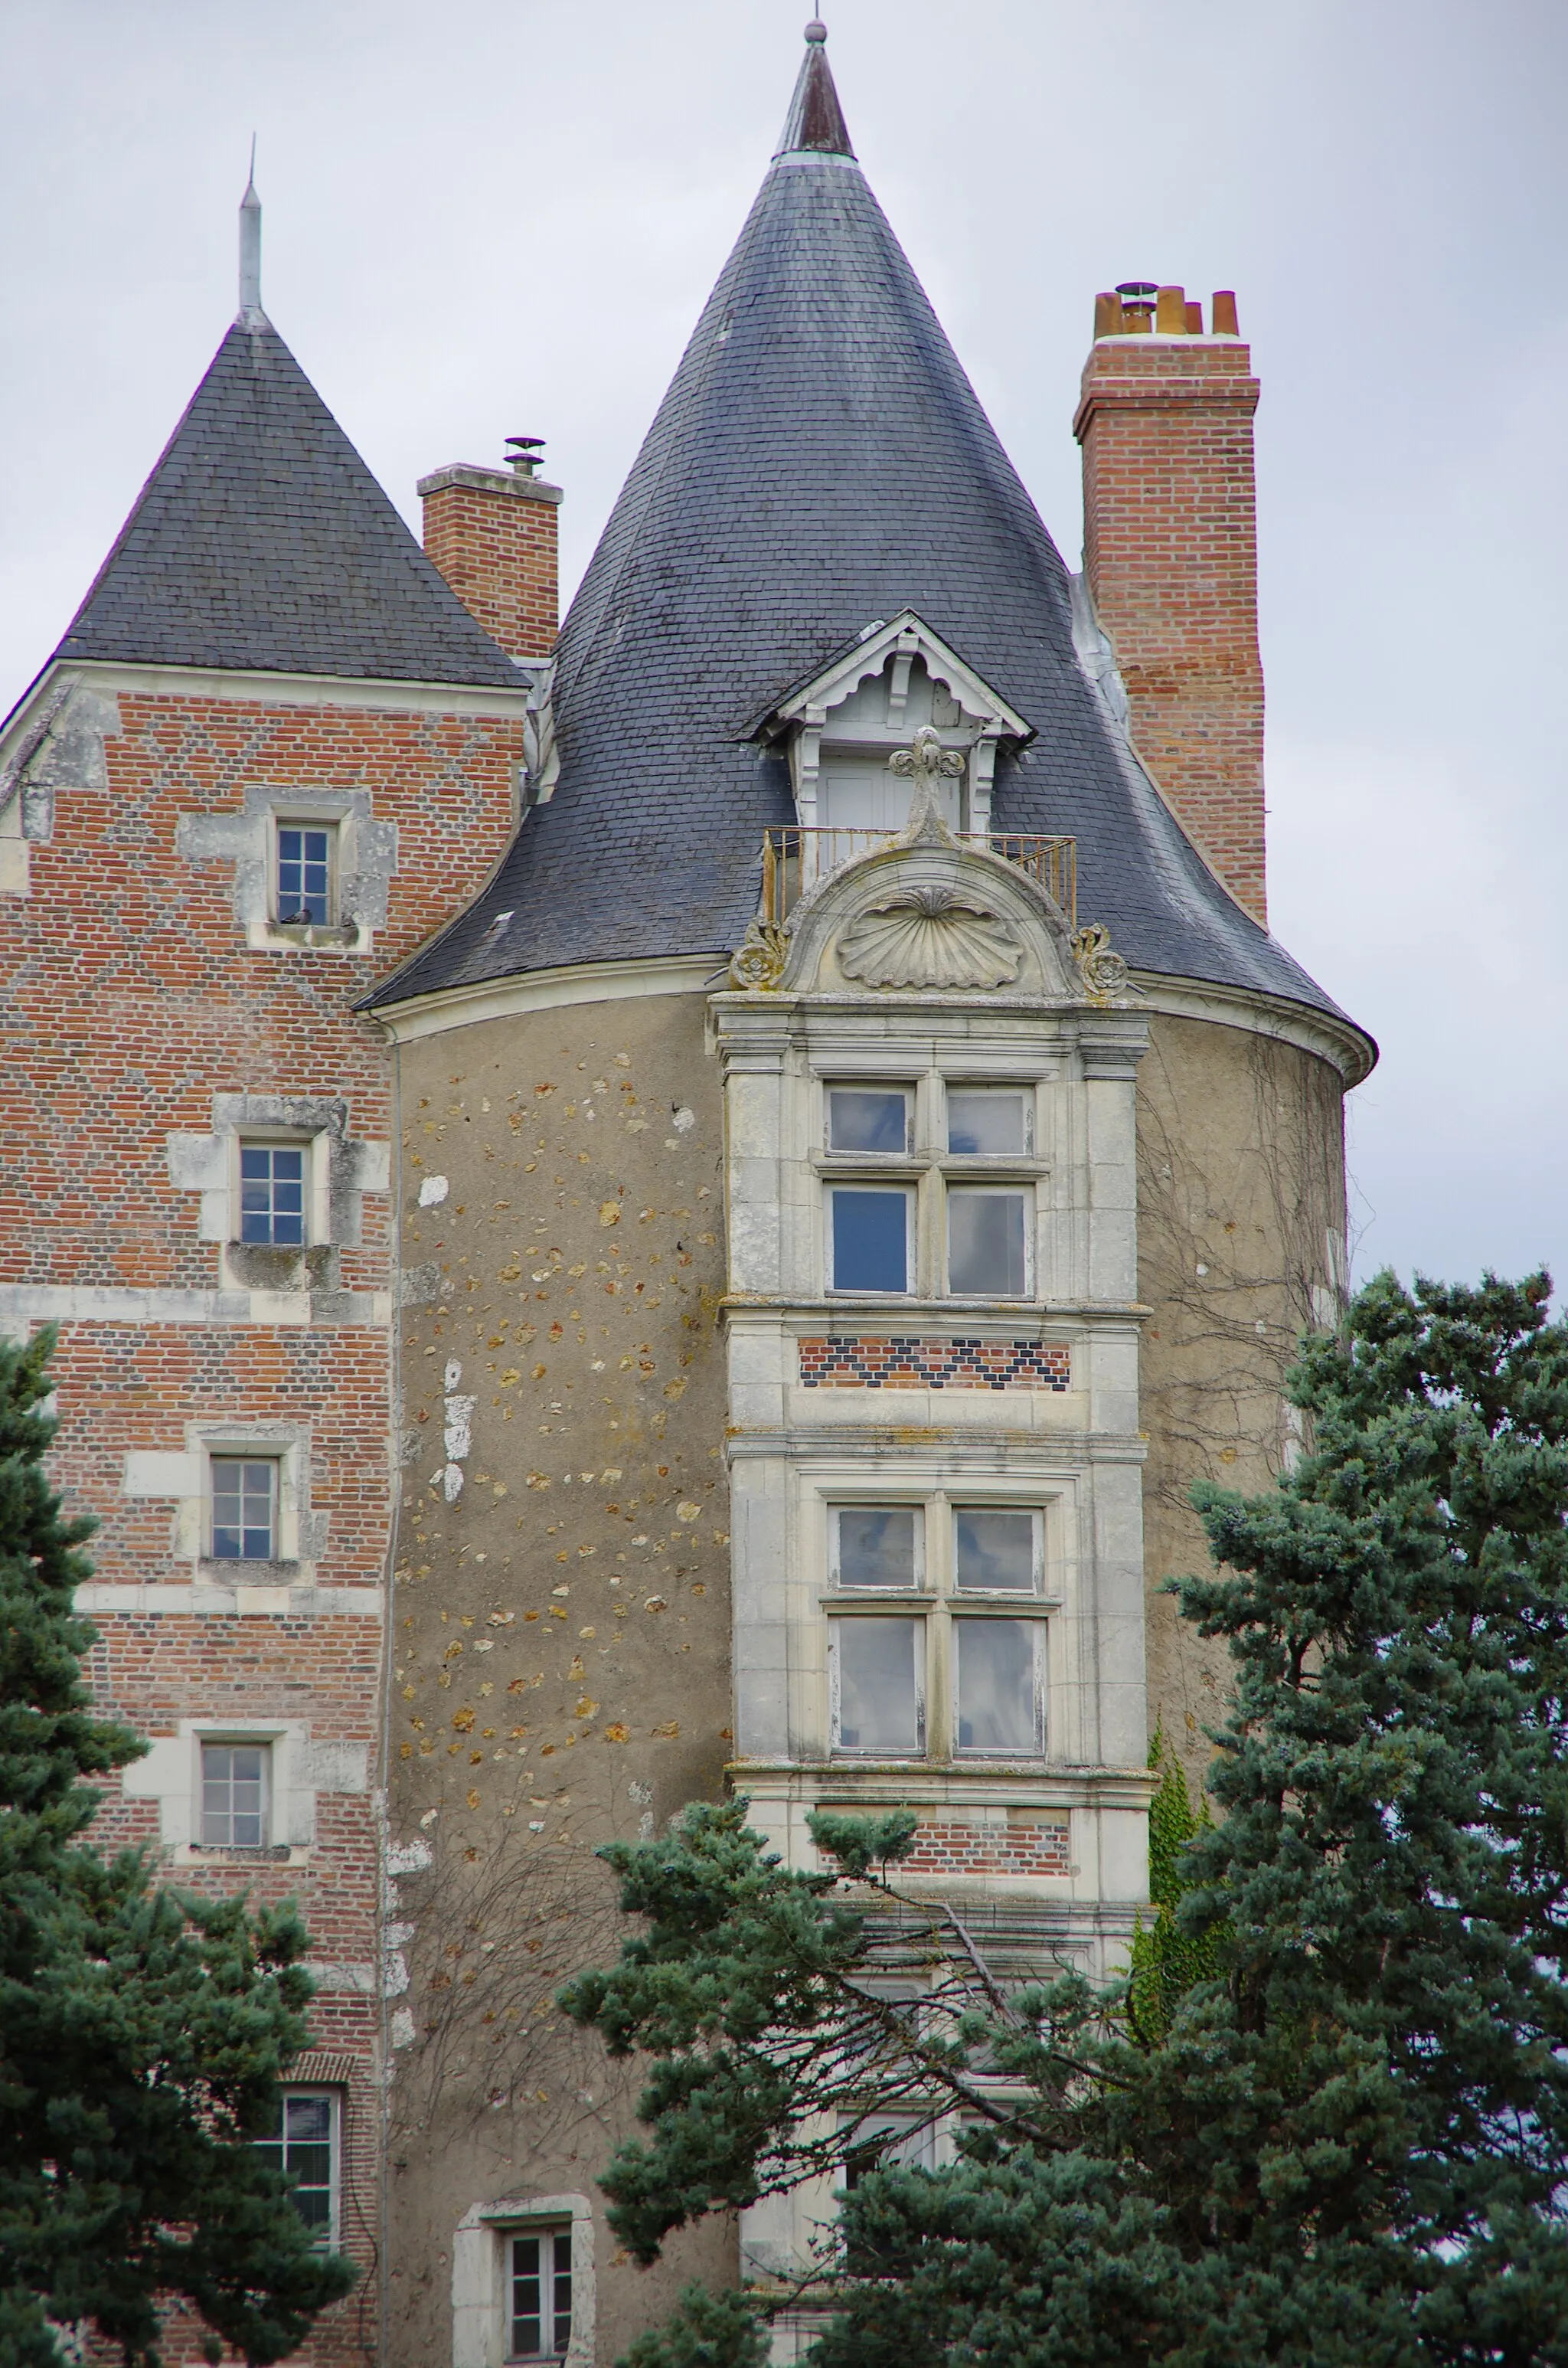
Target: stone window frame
[[366, 853], [185, 1476], [343, 1169], [480, 2296]]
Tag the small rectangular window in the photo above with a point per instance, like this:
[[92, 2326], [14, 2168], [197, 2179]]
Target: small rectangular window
[[245, 1507], [987, 1121], [985, 1242], [868, 1119], [998, 1687], [272, 1194], [995, 1550], [306, 853], [885, 2142], [305, 2144], [875, 1545], [542, 2295], [870, 1238], [878, 1683], [234, 1784]]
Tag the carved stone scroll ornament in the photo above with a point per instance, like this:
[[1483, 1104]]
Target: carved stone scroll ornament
[[1103, 972], [929, 938], [757, 962], [924, 764]]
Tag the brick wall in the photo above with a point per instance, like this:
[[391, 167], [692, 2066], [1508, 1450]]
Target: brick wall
[[492, 535], [1170, 546], [131, 998], [1030, 1844]]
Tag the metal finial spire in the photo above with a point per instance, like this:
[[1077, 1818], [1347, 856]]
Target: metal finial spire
[[250, 248], [815, 120]]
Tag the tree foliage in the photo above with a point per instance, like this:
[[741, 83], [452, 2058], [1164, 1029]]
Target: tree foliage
[[1168, 1957], [1345, 2140], [141, 2036]]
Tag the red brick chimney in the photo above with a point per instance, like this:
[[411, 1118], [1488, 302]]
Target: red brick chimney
[[1170, 549], [492, 533]]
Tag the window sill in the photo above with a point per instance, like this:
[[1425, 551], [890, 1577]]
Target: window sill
[[240, 1854], [235, 1570], [309, 936]]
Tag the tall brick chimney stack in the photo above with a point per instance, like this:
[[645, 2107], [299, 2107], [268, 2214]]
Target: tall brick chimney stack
[[1170, 549], [491, 532]]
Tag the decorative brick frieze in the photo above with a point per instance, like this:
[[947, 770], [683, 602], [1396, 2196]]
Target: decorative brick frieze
[[1031, 1843], [939, 1362]]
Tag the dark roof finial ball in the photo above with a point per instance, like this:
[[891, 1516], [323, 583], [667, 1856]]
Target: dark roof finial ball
[[816, 31]]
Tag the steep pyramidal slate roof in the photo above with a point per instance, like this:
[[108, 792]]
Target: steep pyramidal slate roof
[[819, 463], [262, 541]]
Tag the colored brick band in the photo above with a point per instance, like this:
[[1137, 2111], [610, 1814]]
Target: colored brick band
[[938, 1364]]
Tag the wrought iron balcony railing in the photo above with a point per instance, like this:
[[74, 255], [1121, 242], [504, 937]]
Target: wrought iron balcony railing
[[793, 861]]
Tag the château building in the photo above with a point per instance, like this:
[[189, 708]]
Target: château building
[[671, 1208]]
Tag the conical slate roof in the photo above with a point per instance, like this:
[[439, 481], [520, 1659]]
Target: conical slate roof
[[820, 464], [262, 541]]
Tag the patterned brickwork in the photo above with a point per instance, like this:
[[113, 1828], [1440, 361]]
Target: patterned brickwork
[[1030, 1844], [131, 998], [493, 538], [912, 1363], [1170, 546]]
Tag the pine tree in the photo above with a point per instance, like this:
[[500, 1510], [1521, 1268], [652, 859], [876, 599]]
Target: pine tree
[[1345, 2142], [141, 2036]]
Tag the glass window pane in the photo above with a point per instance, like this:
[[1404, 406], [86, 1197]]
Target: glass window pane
[[304, 872], [996, 1685], [869, 1241], [877, 1685], [272, 1194], [994, 1549], [244, 1507], [884, 2142], [861, 1119], [982, 1118], [561, 2298], [876, 1545], [985, 1242]]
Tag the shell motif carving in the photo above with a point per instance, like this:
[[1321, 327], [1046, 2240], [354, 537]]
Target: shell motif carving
[[929, 937]]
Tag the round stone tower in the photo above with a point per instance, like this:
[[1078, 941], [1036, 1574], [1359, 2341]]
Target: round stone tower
[[863, 1156]]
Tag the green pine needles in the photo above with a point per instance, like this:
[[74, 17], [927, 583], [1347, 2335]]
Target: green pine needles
[[141, 2036], [1324, 2120]]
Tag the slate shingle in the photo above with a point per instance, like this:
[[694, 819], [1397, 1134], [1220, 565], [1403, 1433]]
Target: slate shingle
[[262, 541], [820, 463]]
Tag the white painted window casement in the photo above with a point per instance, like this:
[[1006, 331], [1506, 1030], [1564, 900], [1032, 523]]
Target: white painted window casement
[[244, 1492], [937, 1629], [236, 1795], [306, 2142], [305, 867], [523, 2285], [929, 1188]]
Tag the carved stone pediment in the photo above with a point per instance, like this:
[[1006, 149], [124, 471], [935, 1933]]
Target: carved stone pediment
[[931, 937]]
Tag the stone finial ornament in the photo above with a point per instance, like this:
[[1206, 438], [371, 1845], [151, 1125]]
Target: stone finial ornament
[[757, 962], [926, 764], [1102, 970]]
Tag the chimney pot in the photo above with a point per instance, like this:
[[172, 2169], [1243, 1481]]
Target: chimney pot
[[1137, 306], [1170, 313], [1223, 314], [1194, 317], [1108, 316]]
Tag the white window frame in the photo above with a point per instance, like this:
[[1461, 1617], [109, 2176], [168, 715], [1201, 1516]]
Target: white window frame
[[1035, 1621], [317, 1146], [902, 1086], [256, 1447], [958, 1502], [1027, 1092], [994, 1189], [917, 1620], [890, 1184], [838, 1506], [283, 817], [275, 1503], [220, 1741], [537, 2230], [329, 2238]]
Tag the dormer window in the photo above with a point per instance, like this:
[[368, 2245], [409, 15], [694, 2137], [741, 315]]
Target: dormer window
[[842, 728]]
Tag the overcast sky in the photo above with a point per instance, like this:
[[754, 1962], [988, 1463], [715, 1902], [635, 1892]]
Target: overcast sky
[[496, 216]]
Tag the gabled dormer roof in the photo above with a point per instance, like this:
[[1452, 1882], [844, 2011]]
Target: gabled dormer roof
[[819, 461], [261, 541], [905, 636]]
